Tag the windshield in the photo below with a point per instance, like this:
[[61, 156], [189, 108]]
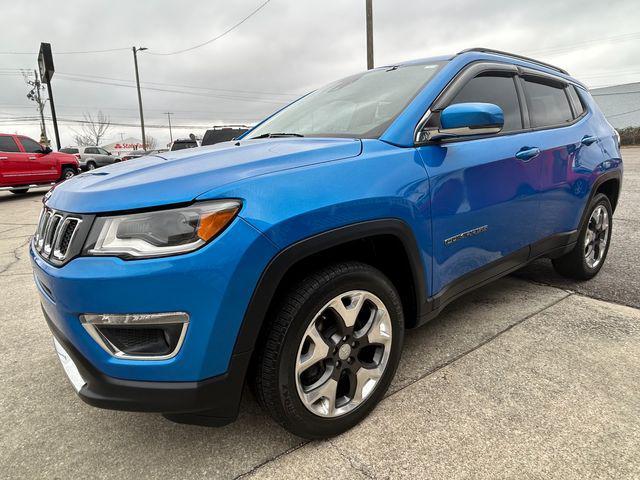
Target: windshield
[[360, 106]]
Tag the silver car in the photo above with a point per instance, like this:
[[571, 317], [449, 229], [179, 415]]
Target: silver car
[[91, 157]]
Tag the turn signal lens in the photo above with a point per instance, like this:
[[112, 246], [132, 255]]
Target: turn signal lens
[[212, 223]]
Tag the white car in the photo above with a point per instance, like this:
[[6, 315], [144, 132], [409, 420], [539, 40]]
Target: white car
[[91, 157]]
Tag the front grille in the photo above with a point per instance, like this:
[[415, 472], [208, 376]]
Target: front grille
[[55, 234]]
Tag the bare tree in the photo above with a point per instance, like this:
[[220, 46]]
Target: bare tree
[[151, 143], [93, 129]]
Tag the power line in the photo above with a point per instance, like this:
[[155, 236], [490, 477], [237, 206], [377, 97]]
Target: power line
[[108, 50], [565, 48], [230, 29], [103, 77], [199, 94], [82, 52]]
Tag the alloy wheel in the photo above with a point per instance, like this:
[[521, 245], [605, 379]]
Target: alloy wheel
[[343, 353], [597, 236]]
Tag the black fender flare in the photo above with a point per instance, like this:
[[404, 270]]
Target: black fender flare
[[285, 259], [611, 175]]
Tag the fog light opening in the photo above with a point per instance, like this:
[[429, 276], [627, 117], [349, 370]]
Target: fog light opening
[[149, 336]]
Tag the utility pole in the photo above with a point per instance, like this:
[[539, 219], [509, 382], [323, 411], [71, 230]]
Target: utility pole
[[369, 35], [35, 95], [135, 62], [43, 125], [168, 114]]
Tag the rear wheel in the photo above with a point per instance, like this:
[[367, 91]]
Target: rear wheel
[[590, 252], [91, 166], [331, 350], [67, 173]]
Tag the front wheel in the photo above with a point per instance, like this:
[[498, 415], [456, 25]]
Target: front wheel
[[67, 173], [590, 252], [331, 350]]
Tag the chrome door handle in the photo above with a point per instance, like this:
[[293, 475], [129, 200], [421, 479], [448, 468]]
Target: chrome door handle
[[527, 153], [32, 158], [4, 158], [588, 140]]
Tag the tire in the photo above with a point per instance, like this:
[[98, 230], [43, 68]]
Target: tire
[[586, 259], [19, 191], [67, 173], [91, 166], [281, 379]]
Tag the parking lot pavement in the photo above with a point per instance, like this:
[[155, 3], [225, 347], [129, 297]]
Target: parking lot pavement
[[518, 379]]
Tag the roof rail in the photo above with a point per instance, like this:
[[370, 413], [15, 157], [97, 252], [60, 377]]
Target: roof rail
[[513, 55]]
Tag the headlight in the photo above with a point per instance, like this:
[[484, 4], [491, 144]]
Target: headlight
[[162, 232]]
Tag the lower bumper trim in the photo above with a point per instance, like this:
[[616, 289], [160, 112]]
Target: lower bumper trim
[[217, 397]]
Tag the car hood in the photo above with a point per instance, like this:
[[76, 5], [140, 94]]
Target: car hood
[[181, 176]]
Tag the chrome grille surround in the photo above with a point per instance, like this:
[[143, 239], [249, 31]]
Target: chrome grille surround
[[55, 234]]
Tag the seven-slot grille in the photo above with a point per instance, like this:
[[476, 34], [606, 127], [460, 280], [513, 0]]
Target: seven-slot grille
[[55, 233]]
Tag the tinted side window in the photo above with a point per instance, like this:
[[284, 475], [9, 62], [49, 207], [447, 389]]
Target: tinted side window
[[576, 100], [30, 146], [494, 89], [69, 150], [91, 150], [8, 144], [548, 104]]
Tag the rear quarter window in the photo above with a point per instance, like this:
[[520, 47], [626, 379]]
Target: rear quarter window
[[548, 103], [578, 106], [69, 150]]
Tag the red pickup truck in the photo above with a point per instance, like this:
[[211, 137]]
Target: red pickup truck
[[25, 164]]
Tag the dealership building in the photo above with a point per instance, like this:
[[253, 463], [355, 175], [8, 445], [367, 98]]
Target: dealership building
[[620, 104]]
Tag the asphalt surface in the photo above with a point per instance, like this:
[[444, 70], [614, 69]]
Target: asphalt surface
[[530, 377]]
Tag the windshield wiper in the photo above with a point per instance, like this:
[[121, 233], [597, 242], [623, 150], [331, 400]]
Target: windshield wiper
[[273, 135]]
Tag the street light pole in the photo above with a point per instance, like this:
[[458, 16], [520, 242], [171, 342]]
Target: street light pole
[[169, 117], [369, 34], [135, 62]]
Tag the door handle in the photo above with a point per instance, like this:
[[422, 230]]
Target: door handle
[[527, 153], [4, 158], [588, 140], [32, 158]]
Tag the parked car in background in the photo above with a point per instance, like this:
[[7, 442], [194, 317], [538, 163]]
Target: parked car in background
[[133, 154], [91, 157], [25, 164], [223, 134], [297, 259], [183, 143]]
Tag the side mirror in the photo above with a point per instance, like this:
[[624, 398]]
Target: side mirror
[[108, 153], [46, 150], [467, 119]]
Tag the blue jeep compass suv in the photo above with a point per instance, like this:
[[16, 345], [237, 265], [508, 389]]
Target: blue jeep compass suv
[[296, 257]]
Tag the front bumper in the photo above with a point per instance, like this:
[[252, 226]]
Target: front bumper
[[213, 285], [215, 400]]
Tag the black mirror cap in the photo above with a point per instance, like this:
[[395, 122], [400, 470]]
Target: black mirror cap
[[46, 150]]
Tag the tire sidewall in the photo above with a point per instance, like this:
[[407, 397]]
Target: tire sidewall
[[599, 199], [305, 423]]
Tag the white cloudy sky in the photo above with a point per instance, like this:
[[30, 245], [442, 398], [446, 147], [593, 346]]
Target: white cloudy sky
[[287, 48]]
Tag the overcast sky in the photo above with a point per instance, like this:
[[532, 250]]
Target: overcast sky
[[285, 49]]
